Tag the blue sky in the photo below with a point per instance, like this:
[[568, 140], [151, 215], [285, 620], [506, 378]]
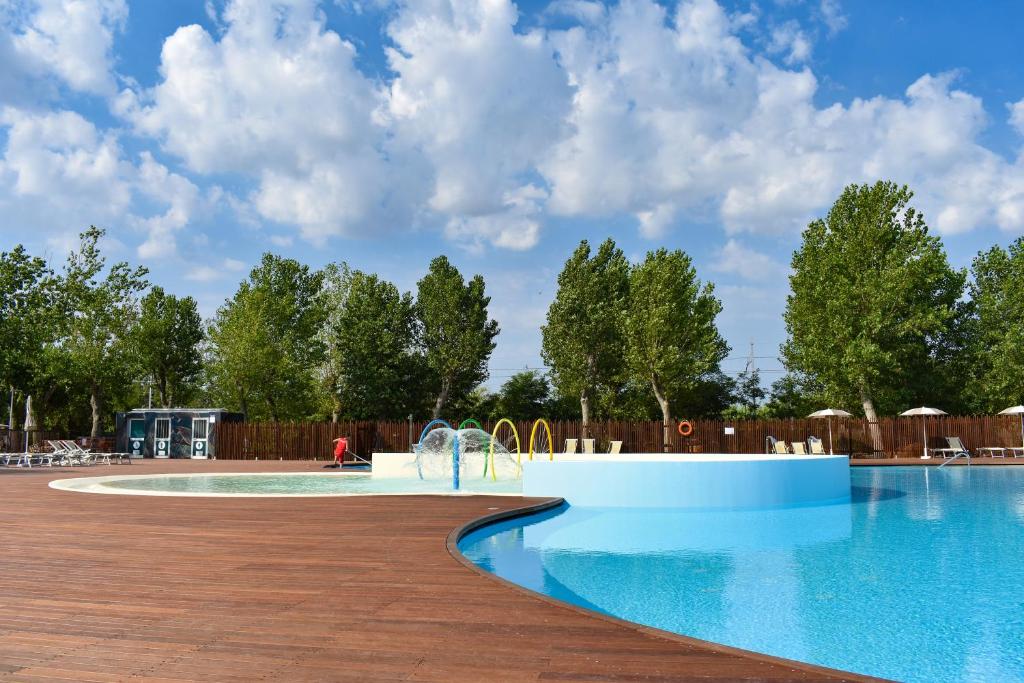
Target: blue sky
[[382, 133]]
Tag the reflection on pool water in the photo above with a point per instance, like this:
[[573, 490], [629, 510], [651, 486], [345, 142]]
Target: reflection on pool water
[[315, 484], [919, 578]]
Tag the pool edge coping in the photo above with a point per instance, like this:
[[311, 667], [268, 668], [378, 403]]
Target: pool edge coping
[[94, 485], [460, 532]]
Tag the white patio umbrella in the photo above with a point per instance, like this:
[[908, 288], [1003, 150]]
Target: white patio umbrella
[[1016, 410], [924, 412], [30, 420], [830, 413]]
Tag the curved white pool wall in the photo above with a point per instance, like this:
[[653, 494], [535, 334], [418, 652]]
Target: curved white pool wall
[[706, 481]]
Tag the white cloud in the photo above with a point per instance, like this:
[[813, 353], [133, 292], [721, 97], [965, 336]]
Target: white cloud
[[71, 39], [234, 265], [58, 169], [281, 240], [59, 173], [516, 227], [277, 98], [483, 102], [832, 15], [181, 198], [738, 259], [586, 11], [203, 274], [788, 38], [1017, 115], [674, 114]]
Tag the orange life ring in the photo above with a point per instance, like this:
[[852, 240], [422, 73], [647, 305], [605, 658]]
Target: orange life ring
[[685, 428]]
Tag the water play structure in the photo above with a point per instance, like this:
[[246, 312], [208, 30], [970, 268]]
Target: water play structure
[[468, 452]]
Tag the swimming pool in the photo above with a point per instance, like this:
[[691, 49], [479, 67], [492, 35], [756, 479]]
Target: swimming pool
[[271, 484], [919, 578]]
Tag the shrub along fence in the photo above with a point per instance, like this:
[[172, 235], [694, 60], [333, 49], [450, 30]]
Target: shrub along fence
[[900, 436]]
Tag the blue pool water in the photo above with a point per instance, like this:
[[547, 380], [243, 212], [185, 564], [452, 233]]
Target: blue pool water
[[919, 578]]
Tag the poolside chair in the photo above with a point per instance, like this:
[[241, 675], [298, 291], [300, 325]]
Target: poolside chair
[[799, 448], [570, 446], [76, 455], [781, 448], [817, 446], [588, 446], [614, 448]]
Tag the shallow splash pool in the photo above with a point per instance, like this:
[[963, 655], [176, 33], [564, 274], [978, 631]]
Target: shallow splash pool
[[919, 578], [292, 484]]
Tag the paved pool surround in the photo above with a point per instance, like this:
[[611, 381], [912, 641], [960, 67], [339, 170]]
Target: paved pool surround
[[707, 481]]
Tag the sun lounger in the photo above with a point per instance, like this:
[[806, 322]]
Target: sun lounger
[[588, 446], [799, 448], [993, 451], [570, 446], [817, 446], [614, 448], [955, 447], [781, 448]]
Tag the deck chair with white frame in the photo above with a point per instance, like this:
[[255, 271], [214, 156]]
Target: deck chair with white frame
[[781, 448], [570, 446], [588, 446], [799, 448], [614, 447], [817, 446]]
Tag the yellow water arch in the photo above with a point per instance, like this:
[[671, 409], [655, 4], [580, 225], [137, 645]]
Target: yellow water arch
[[494, 435], [533, 433]]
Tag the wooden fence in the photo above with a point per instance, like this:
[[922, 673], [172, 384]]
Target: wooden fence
[[14, 441], [901, 436]]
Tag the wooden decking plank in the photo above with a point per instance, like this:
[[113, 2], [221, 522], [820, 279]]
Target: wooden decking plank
[[104, 588]]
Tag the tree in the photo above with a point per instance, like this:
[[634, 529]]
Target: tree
[[100, 314], [456, 333], [167, 339], [672, 340], [747, 393], [27, 320], [997, 292], [872, 299], [264, 343], [373, 337], [582, 340], [523, 396]]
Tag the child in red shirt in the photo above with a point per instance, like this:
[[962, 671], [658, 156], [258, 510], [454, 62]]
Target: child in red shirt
[[340, 448]]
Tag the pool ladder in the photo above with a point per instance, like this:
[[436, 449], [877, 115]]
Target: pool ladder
[[961, 453]]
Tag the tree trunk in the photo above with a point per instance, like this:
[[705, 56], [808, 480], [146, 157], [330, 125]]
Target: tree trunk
[[165, 399], [873, 426], [442, 398], [97, 407], [666, 414], [243, 402], [585, 412]]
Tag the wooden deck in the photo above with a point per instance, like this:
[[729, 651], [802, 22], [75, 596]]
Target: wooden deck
[[112, 588]]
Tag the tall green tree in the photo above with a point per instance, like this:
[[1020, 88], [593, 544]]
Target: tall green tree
[[167, 342], [27, 319], [101, 306], [373, 340], [524, 396], [672, 340], [997, 291], [582, 340], [456, 332], [264, 342], [873, 298]]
